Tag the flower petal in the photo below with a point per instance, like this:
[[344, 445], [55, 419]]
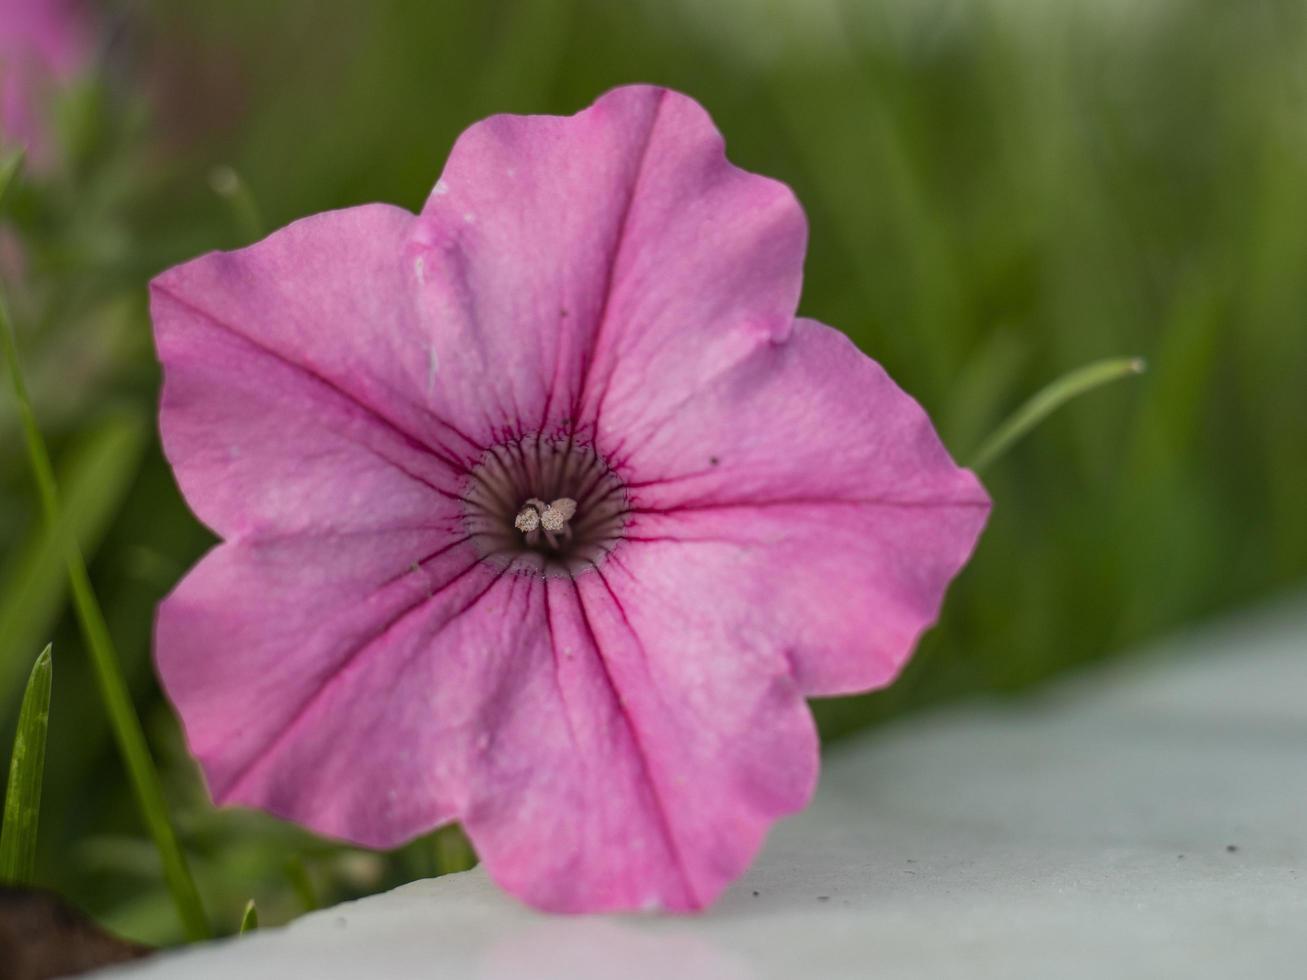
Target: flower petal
[[339, 681], [292, 383], [371, 698], [572, 260], [646, 771], [808, 481]]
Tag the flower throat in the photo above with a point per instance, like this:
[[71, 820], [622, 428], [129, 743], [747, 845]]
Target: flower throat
[[550, 507]]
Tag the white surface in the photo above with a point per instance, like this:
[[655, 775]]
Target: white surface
[[1081, 834]]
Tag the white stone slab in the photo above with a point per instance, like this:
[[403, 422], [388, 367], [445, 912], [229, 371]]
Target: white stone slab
[[1149, 821]]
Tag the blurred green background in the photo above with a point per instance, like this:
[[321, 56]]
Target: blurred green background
[[998, 192]]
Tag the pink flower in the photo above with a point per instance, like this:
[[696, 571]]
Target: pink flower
[[42, 43], [542, 512]]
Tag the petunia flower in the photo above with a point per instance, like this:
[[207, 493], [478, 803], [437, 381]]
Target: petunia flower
[[42, 43], [542, 512]]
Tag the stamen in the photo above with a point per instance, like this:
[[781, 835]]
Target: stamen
[[527, 519], [556, 515]]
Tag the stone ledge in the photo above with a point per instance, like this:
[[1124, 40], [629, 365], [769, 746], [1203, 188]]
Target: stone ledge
[[1146, 821]]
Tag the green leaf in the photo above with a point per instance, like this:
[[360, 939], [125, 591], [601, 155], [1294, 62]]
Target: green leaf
[[26, 769], [104, 658], [453, 850], [297, 873], [250, 918], [1048, 400]]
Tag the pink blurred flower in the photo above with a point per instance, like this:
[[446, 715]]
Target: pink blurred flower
[[42, 43], [542, 512]]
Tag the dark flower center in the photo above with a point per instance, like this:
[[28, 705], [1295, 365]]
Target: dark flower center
[[551, 507]]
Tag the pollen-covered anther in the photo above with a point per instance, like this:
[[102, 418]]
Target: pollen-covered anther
[[556, 515], [528, 518]]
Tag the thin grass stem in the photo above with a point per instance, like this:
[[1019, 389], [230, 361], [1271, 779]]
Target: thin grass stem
[[104, 658], [1048, 400]]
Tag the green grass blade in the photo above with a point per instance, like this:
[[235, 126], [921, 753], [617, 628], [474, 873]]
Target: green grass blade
[[26, 771], [1048, 400], [122, 715], [95, 475], [250, 918], [9, 167]]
